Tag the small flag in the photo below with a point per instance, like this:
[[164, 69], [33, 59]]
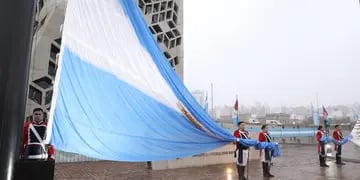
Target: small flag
[[315, 114], [325, 113], [206, 105], [236, 113]]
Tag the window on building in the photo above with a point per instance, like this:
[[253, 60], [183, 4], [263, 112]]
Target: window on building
[[176, 32], [176, 60], [147, 1], [176, 8], [35, 95], [53, 51], [160, 38], [166, 41], [170, 34], [156, 7], [43, 82], [154, 18], [157, 28], [52, 69], [163, 6], [175, 19], [167, 55], [172, 43], [170, 4], [48, 96], [171, 24], [141, 5], [178, 41], [168, 15], [162, 17], [148, 9]]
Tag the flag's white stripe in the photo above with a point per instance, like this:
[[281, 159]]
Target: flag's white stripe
[[97, 36], [356, 134]]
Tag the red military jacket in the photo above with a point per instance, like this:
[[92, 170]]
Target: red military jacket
[[337, 135], [29, 137], [264, 137], [319, 135], [241, 134]]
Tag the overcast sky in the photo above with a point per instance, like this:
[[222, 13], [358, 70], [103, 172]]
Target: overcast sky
[[281, 52]]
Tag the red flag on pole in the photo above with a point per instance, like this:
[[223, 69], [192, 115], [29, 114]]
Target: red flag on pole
[[325, 113], [236, 105]]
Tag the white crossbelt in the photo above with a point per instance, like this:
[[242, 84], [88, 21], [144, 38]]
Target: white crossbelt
[[37, 136]]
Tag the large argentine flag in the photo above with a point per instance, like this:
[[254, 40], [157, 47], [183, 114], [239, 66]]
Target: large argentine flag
[[116, 96], [356, 133]]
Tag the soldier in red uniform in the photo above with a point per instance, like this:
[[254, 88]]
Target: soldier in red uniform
[[241, 152], [265, 154], [338, 136], [34, 133], [321, 146]]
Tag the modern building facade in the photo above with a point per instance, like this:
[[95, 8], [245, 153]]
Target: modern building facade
[[199, 96], [165, 20]]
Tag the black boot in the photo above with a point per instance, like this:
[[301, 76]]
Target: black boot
[[323, 162], [241, 172], [264, 169], [338, 160], [268, 170]]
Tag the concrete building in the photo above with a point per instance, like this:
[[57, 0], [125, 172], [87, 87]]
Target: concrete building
[[165, 20], [199, 96]]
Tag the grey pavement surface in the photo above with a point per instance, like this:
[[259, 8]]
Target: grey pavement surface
[[297, 162]]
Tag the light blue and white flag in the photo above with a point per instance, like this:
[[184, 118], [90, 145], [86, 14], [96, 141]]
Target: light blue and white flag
[[315, 115], [356, 133], [116, 97], [235, 115]]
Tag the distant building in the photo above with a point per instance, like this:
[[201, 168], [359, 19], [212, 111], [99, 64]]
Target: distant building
[[282, 117], [199, 96]]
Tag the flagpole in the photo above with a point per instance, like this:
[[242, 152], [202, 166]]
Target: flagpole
[[16, 39], [212, 101], [237, 111], [317, 102]]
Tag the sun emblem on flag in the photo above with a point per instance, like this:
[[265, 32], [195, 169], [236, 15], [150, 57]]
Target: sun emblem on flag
[[193, 120]]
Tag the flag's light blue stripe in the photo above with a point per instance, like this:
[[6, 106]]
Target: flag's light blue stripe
[[116, 121], [150, 44]]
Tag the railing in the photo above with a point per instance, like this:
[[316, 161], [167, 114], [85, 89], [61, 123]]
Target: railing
[[65, 157]]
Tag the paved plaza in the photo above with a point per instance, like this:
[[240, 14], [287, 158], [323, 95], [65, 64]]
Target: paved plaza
[[297, 162]]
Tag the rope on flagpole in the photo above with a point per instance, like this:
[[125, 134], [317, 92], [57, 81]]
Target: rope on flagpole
[[247, 164]]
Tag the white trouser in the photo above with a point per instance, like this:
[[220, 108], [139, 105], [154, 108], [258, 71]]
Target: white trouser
[[244, 159], [262, 156]]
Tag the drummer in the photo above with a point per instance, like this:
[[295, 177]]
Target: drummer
[[34, 132]]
